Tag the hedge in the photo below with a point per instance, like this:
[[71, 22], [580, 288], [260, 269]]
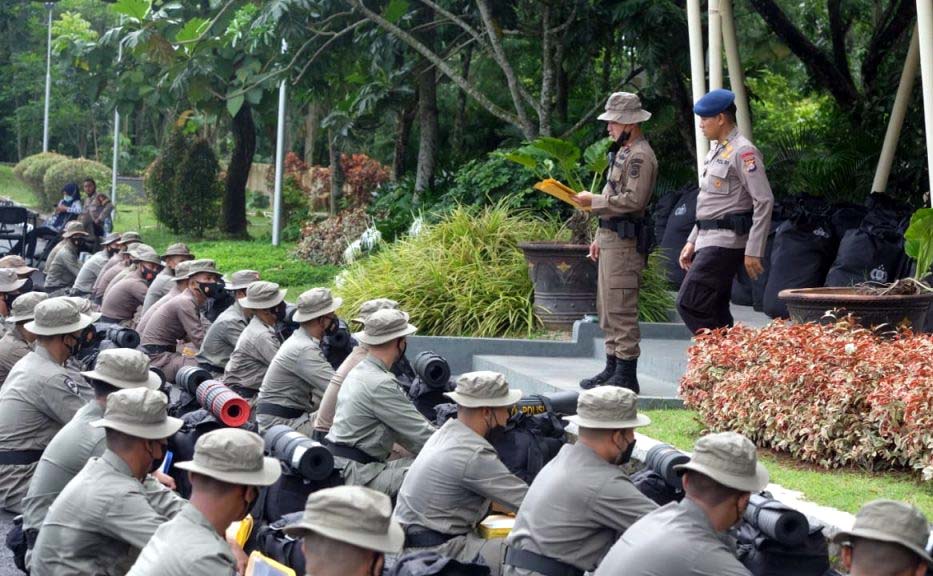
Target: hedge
[[32, 169]]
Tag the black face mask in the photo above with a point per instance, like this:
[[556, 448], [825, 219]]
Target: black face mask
[[623, 138], [332, 325], [626, 455], [280, 311], [210, 289], [8, 300], [494, 427]]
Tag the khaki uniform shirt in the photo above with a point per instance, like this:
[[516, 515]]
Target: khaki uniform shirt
[[676, 540], [39, 397], [64, 268], [12, 349], [298, 375], [255, 349], [222, 336], [145, 316], [178, 319], [90, 270], [67, 453], [325, 414], [125, 273], [96, 210], [124, 297], [630, 182], [161, 285], [186, 545], [372, 415], [576, 508], [101, 520], [107, 275], [734, 181], [453, 480]]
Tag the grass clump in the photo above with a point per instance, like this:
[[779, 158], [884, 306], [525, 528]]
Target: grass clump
[[463, 276]]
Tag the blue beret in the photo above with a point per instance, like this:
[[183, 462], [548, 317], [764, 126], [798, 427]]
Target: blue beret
[[714, 103]]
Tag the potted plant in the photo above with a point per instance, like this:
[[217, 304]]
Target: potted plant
[[564, 278], [905, 301]]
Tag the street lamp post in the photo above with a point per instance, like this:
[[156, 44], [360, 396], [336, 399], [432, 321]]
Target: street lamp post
[[279, 161], [48, 80]]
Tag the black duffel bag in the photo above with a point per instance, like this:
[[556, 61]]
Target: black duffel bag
[[874, 250], [763, 556], [661, 211], [680, 223], [748, 292]]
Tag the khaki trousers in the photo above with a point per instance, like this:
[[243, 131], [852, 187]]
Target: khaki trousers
[[620, 273]]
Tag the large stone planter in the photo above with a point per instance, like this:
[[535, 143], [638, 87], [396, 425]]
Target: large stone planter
[[810, 304], [564, 281]]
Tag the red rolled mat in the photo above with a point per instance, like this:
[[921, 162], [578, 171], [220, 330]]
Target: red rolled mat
[[225, 404]]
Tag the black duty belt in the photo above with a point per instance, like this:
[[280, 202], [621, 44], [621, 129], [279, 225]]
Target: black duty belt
[[246, 392], [153, 349], [19, 457], [349, 452], [740, 223], [278, 411], [420, 537], [540, 564], [31, 535], [625, 226]]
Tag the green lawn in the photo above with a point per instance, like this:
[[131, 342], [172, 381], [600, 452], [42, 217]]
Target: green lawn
[[15, 190], [845, 489]]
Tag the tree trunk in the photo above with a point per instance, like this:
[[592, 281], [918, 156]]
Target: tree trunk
[[460, 115], [426, 78], [312, 124], [241, 160], [402, 134], [336, 171]]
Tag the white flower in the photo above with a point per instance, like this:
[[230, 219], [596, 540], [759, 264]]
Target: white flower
[[370, 238], [416, 227], [341, 279], [850, 348], [351, 252]]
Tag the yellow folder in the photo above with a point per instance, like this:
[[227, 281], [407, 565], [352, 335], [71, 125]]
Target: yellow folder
[[560, 191], [260, 565]]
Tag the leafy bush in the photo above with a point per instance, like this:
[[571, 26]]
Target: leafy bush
[[463, 276], [160, 178], [258, 201], [295, 209], [834, 395], [324, 242], [362, 177], [655, 300], [32, 169], [76, 171]]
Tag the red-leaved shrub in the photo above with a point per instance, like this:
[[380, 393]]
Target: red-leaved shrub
[[834, 394], [362, 175]]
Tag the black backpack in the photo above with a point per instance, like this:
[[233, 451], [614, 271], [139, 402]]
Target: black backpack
[[872, 251], [766, 557], [652, 485]]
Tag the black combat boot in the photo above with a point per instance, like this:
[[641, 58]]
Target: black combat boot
[[625, 375], [601, 378]]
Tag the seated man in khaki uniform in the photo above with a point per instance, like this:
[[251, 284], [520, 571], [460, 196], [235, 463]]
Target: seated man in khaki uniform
[[78, 441], [163, 283], [62, 269], [686, 538], [92, 267], [180, 320], [888, 537], [257, 345], [107, 513], [373, 413], [18, 341], [581, 501], [179, 285], [124, 297], [299, 373], [347, 530], [325, 414], [115, 265], [40, 395], [457, 475], [227, 471], [11, 286], [73, 226], [221, 337]]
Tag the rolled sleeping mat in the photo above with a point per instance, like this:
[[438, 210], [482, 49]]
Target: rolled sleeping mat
[[777, 520], [662, 458], [309, 458], [563, 403], [123, 337], [223, 403], [433, 370], [190, 377]]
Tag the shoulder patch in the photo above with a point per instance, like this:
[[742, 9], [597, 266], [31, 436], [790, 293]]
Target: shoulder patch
[[748, 154], [72, 385], [634, 168], [750, 162]]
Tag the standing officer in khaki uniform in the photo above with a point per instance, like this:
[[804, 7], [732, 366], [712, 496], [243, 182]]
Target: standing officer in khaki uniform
[[620, 247], [686, 538], [258, 344], [180, 284], [581, 501], [888, 537], [299, 373], [373, 414], [40, 395], [163, 283], [107, 513], [62, 270], [78, 441], [125, 297], [455, 477], [226, 473], [733, 218], [18, 341], [92, 267], [347, 531], [223, 333]]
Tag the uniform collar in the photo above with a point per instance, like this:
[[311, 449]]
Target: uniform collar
[[377, 362], [14, 334], [629, 143], [191, 513], [117, 463], [44, 354], [732, 135], [693, 511]]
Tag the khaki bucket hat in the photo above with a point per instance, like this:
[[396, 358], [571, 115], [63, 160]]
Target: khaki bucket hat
[[84, 305], [124, 368], [354, 515], [17, 263], [181, 271], [73, 228], [315, 303], [10, 280], [608, 408], [129, 236], [730, 459], [370, 306], [24, 307], [235, 456], [111, 238], [261, 295], [891, 521], [384, 326], [139, 412], [177, 249], [198, 266], [241, 279], [60, 315], [145, 253], [483, 389], [624, 108]]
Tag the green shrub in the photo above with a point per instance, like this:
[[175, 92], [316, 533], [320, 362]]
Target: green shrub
[[324, 242], [197, 190], [32, 169], [258, 201], [76, 171], [463, 276], [655, 300], [295, 209]]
